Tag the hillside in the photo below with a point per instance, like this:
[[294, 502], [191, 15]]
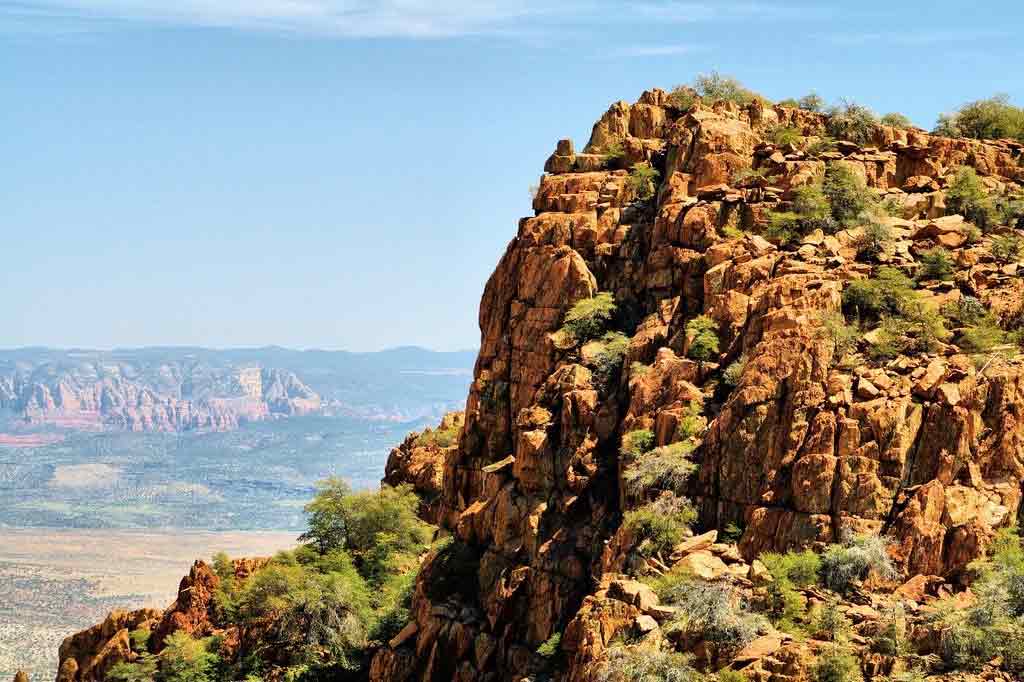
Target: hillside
[[730, 331], [186, 389]]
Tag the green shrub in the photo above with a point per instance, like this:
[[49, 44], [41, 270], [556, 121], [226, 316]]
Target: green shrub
[[143, 669], [732, 533], [454, 569], [837, 664], [896, 120], [875, 241], [936, 264], [184, 659], [691, 423], [715, 87], [853, 560], [714, 613], [783, 227], [732, 374], [636, 443], [551, 647], [392, 603], [991, 118], [918, 330], [820, 146], [607, 362], [642, 181], [846, 193], [789, 571], [748, 177], [589, 317], [811, 102], [889, 292], [682, 97], [966, 311], [799, 568], [830, 622], [664, 468], [702, 331], [614, 153], [1010, 211], [624, 664], [375, 528], [660, 525], [730, 675], [851, 121], [982, 337], [1006, 249], [440, 438], [813, 207], [891, 640], [966, 196], [840, 335], [784, 135]]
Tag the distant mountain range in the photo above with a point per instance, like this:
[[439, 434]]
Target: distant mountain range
[[184, 388]]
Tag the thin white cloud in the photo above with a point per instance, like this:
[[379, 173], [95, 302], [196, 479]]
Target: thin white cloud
[[640, 51], [911, 38], [416, 19]]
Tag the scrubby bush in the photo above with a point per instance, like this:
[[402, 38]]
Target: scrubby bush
[[840, 335], [715, 87], [851, 121], [875, 241], [982, 337], [811, 102], [660, 525], [820, 146], [607, 361], [682, 97], [990, 118], [625, 664], [551, 647], [749, 177], [784, 135], [966, 196], [837, 664], [184, 659], [896, 120], [732, 374], [891, 640], [589, 317], [936, 264], [1006, 249], [789, 102], [714, 613], [847, 194], [853, 560], [830, 622], [789, 572], [813, 207], [440, 438], [966, 311], [918, 330], [665, 468], [889, 292], [636, 443], [614, 153], [643, 180], [453, 570], [703, 334], [1010, 211]]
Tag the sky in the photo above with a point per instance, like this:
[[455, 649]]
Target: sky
[[345, 174]]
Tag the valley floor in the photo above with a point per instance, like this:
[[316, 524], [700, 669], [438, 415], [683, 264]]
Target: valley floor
[[54, 582]]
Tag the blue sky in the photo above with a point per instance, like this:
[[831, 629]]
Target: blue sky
[[346, 174]]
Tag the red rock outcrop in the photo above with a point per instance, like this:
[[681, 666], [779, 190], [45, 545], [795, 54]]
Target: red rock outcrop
[[925, 448]]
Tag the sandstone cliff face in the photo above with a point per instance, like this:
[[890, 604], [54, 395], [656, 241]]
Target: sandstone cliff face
[[169, 397], [925, 448]]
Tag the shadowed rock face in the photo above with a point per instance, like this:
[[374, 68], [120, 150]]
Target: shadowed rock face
[[925, 448]]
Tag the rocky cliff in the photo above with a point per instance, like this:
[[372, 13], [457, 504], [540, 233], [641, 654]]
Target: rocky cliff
[[133, 396], [756, 355], [924, 447]]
